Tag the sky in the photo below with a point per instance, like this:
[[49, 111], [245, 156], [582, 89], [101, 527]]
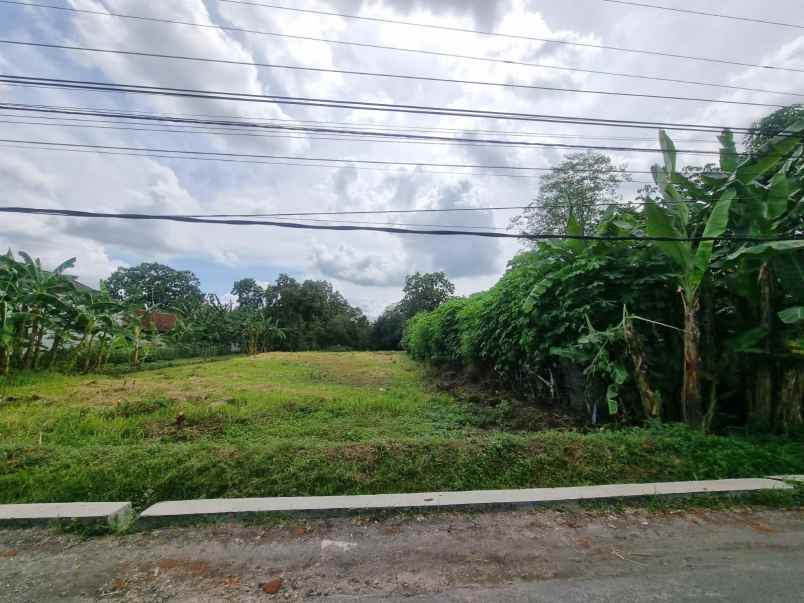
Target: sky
[[368, 268]]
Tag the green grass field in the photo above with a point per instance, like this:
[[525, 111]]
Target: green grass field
[[286, 424]]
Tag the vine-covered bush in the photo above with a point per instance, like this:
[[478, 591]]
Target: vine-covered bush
[[534, 325]]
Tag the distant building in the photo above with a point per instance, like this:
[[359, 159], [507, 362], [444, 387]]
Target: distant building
[[162, 322]]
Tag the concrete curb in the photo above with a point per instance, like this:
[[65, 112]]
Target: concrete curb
[[112, 514], [184, 510], [798, 479]]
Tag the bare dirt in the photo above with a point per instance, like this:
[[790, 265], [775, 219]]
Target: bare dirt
[[519, 555]]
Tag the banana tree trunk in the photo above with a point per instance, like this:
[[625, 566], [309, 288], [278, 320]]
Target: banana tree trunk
[[5, 362], [691, 399], [761, 413], [54, 350], [38, 347], [88, 357], [135, 354], [19, 338], [27, 360], [791, 400], [651, 401]]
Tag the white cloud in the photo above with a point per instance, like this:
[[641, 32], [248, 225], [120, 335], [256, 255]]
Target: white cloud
[[367, 267]]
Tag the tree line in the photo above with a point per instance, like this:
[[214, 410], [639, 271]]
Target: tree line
[[706, 332], [50, 320]]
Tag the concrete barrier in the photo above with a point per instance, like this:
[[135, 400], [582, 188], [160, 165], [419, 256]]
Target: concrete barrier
[[178, 510], [113, 514]]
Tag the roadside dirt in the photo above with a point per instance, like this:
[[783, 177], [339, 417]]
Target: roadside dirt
[[389, 558]]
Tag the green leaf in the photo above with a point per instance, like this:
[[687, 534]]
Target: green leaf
[[792, 315], [574, 229], [611, 398], [728, 151], [769, 155], [65, 265], [778, 197], [769, 247], [789, 269], [715, 226], [745, 342], [659, 224], [669, 152]]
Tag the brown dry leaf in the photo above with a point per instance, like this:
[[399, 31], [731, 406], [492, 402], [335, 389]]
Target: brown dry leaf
[[271, 587], [8, 553], [762, 528]]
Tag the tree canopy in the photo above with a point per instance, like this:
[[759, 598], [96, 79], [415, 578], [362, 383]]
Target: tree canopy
[[156, 286], [580, 186]]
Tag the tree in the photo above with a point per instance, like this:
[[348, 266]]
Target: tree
[[580, 186], [672, 221], [387, 330], [425, 292], [156, 286], [249, 293], [772, 125]]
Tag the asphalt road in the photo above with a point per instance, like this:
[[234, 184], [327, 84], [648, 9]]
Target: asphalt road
[[571, 556]]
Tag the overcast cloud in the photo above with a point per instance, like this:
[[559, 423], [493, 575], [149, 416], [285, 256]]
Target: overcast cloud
[[369, 268]]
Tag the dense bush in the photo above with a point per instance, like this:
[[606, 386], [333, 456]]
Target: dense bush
[[533, 327], [688, 325]]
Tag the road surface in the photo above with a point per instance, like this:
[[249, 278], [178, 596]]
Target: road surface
[[549, 555]]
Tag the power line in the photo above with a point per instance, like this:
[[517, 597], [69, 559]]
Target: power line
[[420, 137], [700, 13], [623, 204], [335, 221], [56, 144], [352, 105], [186, 129], [443, 232], [394, 48], [385, 75], [255, 122], [508, 35], [176, 153], [233, 122]]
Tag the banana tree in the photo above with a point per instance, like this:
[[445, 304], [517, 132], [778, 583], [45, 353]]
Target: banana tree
[[771, 275], [691, 251], [9, 319], [41, 292]]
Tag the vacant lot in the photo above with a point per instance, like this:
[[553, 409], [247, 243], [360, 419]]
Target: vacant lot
[[316, 423]]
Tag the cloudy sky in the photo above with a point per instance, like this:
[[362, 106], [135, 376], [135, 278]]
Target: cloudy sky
[[368, 268]]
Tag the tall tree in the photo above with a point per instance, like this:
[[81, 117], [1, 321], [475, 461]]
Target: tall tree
[[249, 293], [772, 125], [157, 286], [580, 186], [425, 292]]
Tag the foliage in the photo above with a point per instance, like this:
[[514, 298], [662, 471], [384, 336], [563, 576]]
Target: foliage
[[328, 424], [48, 318], [422, 293], [249, 294], [727, 350], [532, 326], [155, 286], [582, 186], [772, 125]]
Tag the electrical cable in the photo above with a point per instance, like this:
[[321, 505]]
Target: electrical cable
[[443, 232], [388, 75], [507, 62]]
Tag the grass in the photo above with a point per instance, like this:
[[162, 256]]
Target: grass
[[315, 424]]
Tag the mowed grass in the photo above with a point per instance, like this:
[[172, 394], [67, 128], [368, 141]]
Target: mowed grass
[[300, 398], [286, 424]]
